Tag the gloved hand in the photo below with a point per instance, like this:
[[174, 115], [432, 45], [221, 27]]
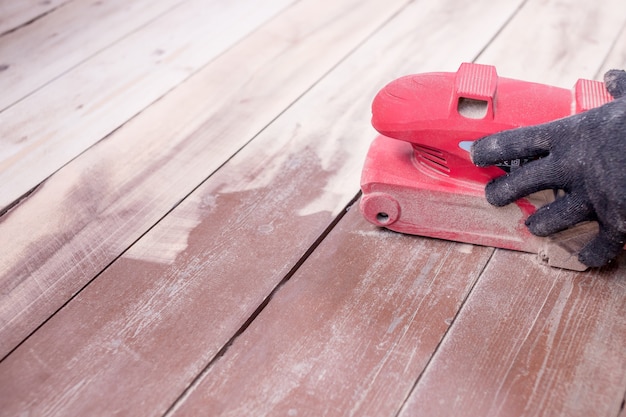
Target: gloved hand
[[585, 156]]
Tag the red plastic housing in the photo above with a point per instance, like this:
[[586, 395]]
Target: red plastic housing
[[418, 177]]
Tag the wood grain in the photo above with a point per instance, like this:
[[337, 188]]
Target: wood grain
[[92, 210], [14, 14], [349, 333], [354, 327], [556, 42], [186, 287], [66, 37], [50, 127], [531, 341], [616, 58]]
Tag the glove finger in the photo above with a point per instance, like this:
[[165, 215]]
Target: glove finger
[[559, 215], [615, 82], [602, 249], [534, 176], [523, 142], [512, 144]]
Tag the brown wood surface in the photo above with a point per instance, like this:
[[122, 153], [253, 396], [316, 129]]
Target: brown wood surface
[[200, 260], [349, 333], [231, 246], [171, 147], [531, 341]]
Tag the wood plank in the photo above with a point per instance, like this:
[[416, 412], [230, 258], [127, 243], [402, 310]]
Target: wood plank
[[344, 336], [541, 342], [50, 127], [87, 214], [64, 38], [189, 284], [14, 14], [556, 42], [616, 58]]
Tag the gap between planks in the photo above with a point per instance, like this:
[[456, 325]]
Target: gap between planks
[[65, 117], [64, 38], [263, 305], [17, 14], [239, 402], [58, 216], [271, 154], [173, 158], [343, 336], [557, 337], [609, 55]]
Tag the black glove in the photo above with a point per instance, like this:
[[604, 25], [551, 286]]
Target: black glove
[[583, 155]]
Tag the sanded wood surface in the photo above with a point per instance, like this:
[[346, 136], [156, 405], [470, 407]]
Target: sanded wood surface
[[171, 147], [557, 338], [344, 336], [616, 59], [556, 42], [271, 188], [48, 128], [533, 340], [57, 42], [14, 14], [208, 257]]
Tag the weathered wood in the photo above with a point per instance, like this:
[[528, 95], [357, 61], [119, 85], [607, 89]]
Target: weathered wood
[[186, 287], [531, 341], [556, 42], [616, 58], [55, 124], [52, 45], [14, 14], [349, 333], [88, 213], [196, 277]]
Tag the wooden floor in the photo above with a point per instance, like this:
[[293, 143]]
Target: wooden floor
[[179, 235]]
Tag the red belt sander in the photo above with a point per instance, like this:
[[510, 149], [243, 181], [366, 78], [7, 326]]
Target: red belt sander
[[418, 177]]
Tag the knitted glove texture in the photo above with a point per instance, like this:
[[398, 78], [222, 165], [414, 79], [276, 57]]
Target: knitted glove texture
[[585, 156]]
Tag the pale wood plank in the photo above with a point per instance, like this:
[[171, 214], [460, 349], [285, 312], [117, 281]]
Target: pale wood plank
[[616, 58], [347, 335], [556, 42], [94, 208], [56, 43], [50, 127], [185, 288], [14, 14], [542, 342]]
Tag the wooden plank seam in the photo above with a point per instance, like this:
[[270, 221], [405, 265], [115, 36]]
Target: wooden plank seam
[[26, 18], [186, 392]]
